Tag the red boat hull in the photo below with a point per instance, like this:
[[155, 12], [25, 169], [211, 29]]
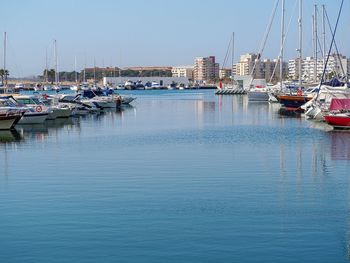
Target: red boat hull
[[338, 121]]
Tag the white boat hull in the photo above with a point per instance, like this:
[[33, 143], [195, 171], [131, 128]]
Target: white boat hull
[[33, 118], [127, 100], [59, 113], [258, 96], [106, 104], [7, 123]]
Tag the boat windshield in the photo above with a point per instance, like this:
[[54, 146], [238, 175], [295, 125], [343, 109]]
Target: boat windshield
[[28, 101], [6, 103]]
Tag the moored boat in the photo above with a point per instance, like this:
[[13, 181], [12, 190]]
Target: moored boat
[[293, 102], [8, 119], [339, 120], [339, 114]]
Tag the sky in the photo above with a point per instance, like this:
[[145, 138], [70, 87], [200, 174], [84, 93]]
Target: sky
[[150, 32]]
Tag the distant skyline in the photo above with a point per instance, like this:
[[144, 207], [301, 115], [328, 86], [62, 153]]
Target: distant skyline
[[150, 32]]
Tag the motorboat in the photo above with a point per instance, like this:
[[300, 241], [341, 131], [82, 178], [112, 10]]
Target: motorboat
[[155, 85], [31, 115], [47, 88], [129, 85], [172, 86], [120, 86], [98, 98], [74, 88], [77, 106], [139, 85], [19, 86], [55, 111], [148, 85], [258, 91], [9, 118], [38, 87], [127, 99], [59, 110], [56, 88]]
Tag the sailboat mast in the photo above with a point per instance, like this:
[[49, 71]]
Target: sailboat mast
[[56, 63], [46, 69], [314, 46], [300, 41], [282, 44], [232, 59], [94, 71], [5, 40], [75, 69], [315, 42], [324, 33], [84, 78]]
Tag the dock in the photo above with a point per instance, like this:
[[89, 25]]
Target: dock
[[236, 91]]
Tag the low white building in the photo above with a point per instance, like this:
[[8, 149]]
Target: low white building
[[182, 71]]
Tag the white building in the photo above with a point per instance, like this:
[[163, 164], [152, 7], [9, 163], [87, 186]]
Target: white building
[[205, 69], [337, 65], [225, 73], [182, 71]]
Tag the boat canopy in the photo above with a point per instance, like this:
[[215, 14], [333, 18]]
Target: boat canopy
[[99, 92], [334, 82], [339, 104]]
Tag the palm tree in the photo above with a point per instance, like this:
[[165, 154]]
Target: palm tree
[[50, 75], [6, 74], [2, 74]]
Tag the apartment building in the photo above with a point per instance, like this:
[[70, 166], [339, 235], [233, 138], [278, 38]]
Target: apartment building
[[205, 69], [251, 64], [337, 65]]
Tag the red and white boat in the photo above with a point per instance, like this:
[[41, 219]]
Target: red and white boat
[[339, 113]]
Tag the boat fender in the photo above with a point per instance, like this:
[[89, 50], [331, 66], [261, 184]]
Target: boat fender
[[38, 109]]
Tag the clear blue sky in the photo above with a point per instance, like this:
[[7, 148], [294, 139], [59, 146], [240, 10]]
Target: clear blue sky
[[148, 32]]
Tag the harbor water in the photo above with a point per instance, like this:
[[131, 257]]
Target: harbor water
[[180, 176]]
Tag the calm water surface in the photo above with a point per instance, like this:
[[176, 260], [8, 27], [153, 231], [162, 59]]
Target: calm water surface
[[182, 176]]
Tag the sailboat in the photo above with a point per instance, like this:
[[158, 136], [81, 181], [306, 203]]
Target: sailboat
[[292, 102], [234, 88], [339, 114], [320, 105], [56, 86], [76, 86], [258, 89]]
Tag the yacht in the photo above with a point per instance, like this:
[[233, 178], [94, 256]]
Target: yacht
[[9, 118], [120, 86], [129, 84], [55, 111], [155, 85], [31, 115], [19, 86]]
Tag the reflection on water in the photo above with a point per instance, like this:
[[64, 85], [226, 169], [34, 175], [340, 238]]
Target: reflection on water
[[182, 173], [340, 145], [9, 136], [40, 132]]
